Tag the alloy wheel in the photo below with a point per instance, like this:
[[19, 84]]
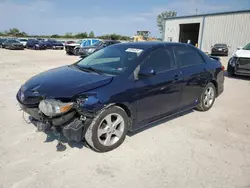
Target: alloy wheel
[[209, 97], [111, 129]]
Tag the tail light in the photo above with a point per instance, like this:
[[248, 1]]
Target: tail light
[[222, 68]]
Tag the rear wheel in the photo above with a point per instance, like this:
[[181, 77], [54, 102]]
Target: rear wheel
[[108, 129], [207, 98]]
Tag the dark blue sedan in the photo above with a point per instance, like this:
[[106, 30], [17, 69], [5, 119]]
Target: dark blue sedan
[[53, 44], [35, 44], [121, 88]]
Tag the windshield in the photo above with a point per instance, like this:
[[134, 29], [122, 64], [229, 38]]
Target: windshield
[[111, 60], [220, 45], [23, 40], [247, 47], [79, 42], [99, 43], [13, 41]]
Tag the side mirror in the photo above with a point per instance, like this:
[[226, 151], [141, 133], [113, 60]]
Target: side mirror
[[146, 72], [239, 48]]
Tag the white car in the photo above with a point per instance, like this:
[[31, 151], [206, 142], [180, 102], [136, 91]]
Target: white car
[[23, 41], [239, 64]]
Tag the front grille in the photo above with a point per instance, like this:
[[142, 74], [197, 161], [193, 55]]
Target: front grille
[[244, 61]]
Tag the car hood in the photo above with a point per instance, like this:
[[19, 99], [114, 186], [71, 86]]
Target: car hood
[[63, 82], [242, 53]]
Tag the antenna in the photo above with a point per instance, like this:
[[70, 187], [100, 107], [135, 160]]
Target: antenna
[[196, 10]]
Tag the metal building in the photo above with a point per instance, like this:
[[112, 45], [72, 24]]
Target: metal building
[[232, 28]]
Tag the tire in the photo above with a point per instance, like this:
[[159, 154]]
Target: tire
[[99, 135], [205, 105]]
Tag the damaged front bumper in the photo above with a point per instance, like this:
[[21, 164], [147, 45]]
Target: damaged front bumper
[[72, 125]]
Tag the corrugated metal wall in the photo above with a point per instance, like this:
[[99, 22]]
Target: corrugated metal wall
[[232, 29], [172, 27]]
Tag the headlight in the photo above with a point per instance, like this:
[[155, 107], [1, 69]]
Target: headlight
[[51, 107], [37, 45], [232, 62], [91, 50]]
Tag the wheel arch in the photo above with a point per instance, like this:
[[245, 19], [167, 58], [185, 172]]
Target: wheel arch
[[128, 112], [215, 85]]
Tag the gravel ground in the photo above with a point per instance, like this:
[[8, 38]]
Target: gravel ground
[[210, 149]]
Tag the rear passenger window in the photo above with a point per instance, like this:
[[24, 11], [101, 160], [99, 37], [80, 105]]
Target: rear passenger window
[[160, 60], [187, 56]]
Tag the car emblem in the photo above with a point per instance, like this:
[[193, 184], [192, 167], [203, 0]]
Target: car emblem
[[22, 97]]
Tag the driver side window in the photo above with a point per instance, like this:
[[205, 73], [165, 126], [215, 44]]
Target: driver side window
[[160, 60]]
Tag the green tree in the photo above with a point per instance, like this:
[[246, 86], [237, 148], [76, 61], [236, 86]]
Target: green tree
[[22, 34], [68, 35], [115, 37], [55, 36], [81, 35], [13, 32], [162, 17], [125, 38], [91, 34]]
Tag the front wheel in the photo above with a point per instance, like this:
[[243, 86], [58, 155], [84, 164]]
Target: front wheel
[[108, 129], [207, 98]]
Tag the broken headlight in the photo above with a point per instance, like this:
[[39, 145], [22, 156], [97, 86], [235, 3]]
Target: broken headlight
[[51, 107]]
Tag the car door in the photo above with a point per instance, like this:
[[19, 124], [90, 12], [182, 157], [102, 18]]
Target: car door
[[195, 74], [158, 94]]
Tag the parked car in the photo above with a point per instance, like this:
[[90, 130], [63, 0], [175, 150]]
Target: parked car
[[85, 43], [23, 41], [53, 44], [12, 44], [239, 64], [70, 48], [2, 40], [121, 88], [219, 49], [87, 50], [73, 48], [69, 42], [36, 44]]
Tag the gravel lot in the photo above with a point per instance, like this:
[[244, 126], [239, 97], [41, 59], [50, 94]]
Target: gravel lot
[[210, 149]]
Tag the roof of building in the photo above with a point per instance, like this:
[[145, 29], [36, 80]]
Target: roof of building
[[210, 14]]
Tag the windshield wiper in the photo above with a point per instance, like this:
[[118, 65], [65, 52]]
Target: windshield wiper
[[90, 69]]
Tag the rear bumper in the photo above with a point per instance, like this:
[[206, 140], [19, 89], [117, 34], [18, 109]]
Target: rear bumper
[[219, 53], [220, 83], [58, 47]]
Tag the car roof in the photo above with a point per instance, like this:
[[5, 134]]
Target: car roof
[[147, 45]]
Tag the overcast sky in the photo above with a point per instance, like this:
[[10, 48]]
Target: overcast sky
[[102, 16]]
